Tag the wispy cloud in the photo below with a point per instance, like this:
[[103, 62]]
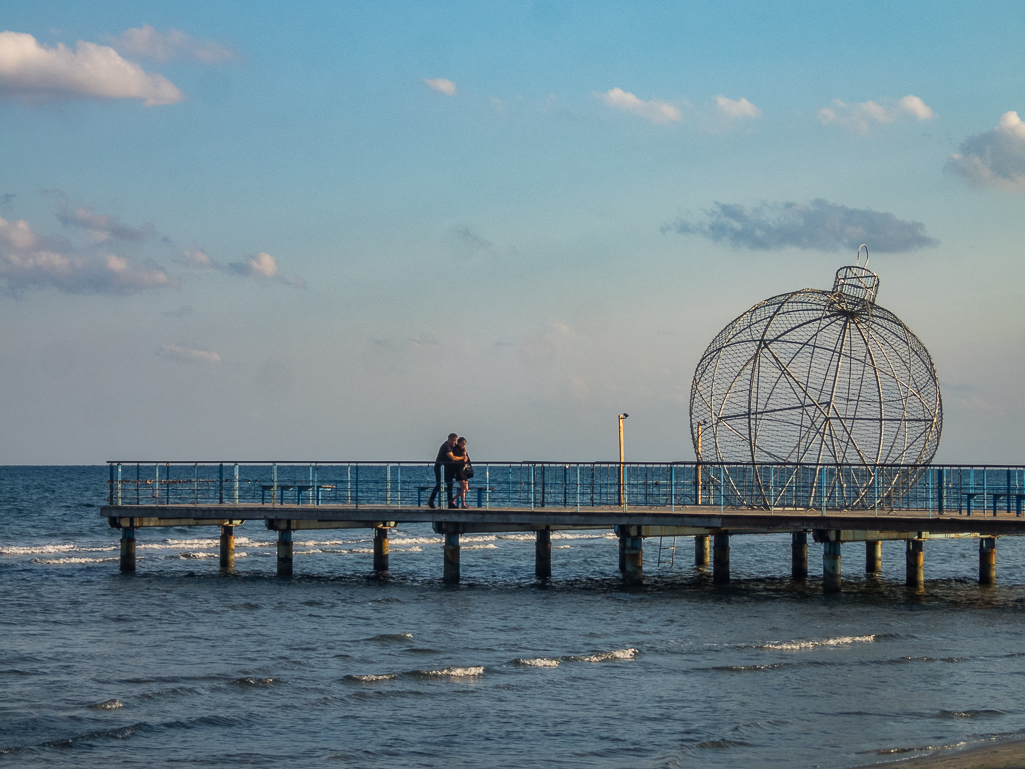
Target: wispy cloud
[[440, 85], [818, 225], [654, 110], [28, 261], [188, 355], [261, 266], [995, 158], [859, 118], [145, 41], [736, 110], [32, 72], [101, 227]]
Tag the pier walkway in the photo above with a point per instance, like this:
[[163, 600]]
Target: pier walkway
[[830, 505]]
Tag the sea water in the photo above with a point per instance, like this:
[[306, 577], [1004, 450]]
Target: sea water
[[181, 665]]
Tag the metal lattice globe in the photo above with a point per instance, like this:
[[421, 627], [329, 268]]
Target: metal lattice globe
[[818, 377]]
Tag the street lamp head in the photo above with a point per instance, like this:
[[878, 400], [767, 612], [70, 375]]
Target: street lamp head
[[624, 415]]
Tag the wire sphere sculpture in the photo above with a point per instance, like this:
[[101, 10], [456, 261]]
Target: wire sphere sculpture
[[824, 378]]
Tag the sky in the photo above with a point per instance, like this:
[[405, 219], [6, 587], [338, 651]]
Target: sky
[[339, 231]]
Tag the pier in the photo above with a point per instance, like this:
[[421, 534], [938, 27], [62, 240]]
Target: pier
[[834, 506]]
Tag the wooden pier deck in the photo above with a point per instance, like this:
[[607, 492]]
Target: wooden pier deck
[[632, 524]]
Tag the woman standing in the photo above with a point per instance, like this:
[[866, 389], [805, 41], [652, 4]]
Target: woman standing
[[464, 470]]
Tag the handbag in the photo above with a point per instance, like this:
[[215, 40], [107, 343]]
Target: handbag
[[467, 471]]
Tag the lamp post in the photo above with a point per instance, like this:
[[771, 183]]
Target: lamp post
[[622, 457]]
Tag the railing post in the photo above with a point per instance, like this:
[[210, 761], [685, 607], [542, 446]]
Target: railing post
[[274, 485], [119, 485], [236, 482], [156, 483], [220, 484], [357, 485], [195, 485], [110, 489]]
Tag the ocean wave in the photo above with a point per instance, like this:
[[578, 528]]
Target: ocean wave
[[416, 540], [539, 662], [369, 679], [488, 546], [73, 559], [918, 749], [724, 743], [452, 672], [392, 637], [107, 705], [37, 549], [250, 681], [969, 713], [800, 645], [617, 654]]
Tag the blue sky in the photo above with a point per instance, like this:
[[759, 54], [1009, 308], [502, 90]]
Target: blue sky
[[339, 231]]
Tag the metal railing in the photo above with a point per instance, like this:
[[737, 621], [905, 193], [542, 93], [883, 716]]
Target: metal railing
[[774, 487]]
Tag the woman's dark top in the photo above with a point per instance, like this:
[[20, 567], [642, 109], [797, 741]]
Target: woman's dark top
[[462, 460]]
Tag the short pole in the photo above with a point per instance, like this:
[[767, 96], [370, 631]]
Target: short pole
[[914, 560], [634, 572], [873, 556], [128, 551], [831, 580], [543, 554], [284, 553], [701, 550], [380, 549], [799, 555], [227, 547], [451, 575], [721, 559], [987, 560]]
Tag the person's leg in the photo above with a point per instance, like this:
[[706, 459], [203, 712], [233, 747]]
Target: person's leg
[[464, 487], [437, 486], [448, 491]]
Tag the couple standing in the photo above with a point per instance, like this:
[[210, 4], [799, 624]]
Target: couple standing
[[452, 456]]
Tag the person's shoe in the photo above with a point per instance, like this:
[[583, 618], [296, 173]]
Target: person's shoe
[[430, 504], [451, 506]]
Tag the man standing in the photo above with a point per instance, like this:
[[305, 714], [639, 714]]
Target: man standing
[[445, 459]]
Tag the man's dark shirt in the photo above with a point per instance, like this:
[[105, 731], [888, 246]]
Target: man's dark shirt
[[442, 458]]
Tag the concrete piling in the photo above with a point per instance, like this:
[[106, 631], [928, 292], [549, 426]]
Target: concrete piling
[[633, 574], [831, 580], [873, 556], [622, 553], [721, 559], [380, 549], [227, 554], [987, 560], [914, 563], [284, 553], [799, 555], [451, 575], [701, 550], [543, 554], [127, 551]]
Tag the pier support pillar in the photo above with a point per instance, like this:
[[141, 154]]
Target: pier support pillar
[[128, 551], [543, 555], [284, 553], [380, 549], [831, 581], [721, 559], [451, 575], [915, 558], [622, 553], [987, 560], [227, 547], [799, 555], [633, 574], [701, 550], [874, 556]]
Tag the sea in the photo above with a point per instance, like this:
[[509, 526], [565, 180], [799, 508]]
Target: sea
[[181, 665]]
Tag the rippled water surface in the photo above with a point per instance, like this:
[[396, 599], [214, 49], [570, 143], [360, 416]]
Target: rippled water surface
[[181, 665]]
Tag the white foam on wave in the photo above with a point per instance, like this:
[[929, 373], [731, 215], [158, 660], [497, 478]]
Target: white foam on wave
[[539, 662], [107, 705], [37, 549], [489, 546], [455, 672], [72, 559], [369, 679], [415, 540], [799, 645], [616, 654]]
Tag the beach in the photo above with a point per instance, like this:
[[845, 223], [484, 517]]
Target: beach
[[1005, 755]]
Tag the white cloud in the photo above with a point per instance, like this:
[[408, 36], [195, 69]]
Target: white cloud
[[995, 158], [188, 355], [173, 44], [28, 261], [34, 72], [441, 85], [859, 118], [654, 110], [196, 258], [261, 266], [728, 108], [101, 227]]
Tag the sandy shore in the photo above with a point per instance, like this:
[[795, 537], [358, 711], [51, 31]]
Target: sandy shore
[[1004, 755]]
